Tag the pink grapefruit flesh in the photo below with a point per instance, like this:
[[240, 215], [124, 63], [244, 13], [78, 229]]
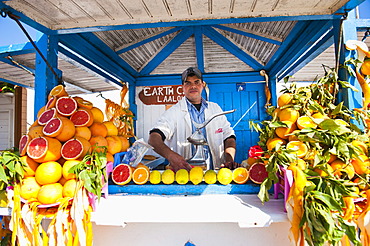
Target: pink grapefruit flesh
[[121, 174], [80, 118], [23, 143], [53, 127], [258, 173], [46, 116], [66, 106], [72, 149]]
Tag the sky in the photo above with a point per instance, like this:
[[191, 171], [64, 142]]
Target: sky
[[14, 35]]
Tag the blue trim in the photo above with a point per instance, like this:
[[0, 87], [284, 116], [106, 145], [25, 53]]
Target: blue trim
[[195, 23], [27, 20], [198, 36], [231, 47], [7, 61], [82, 47], [362, 24], [98, 44], [167, 50], [303, 42], [247, 34], [160, 35], [88, 65], [311, 54], [17, 49], [15, 83], [351, 4]]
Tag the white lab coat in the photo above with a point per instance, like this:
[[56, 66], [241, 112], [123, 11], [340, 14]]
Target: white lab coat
[[175, 123]]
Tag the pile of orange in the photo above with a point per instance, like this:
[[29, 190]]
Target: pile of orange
[[76, 125]]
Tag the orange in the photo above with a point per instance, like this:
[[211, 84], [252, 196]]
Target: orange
[[29, 188], [240, 175], [298, 148], [361, 164], [30, 166], [83, 131], [284, 99], [82, 103], [273, 142], [114, 144], [50, 193], [125, 143], [111, 128], [288, 114], [305, 122], [110, 157], [337, 166], [323, 173], [293, 137], [140, 175], [65, 170], [98, 114], [282, 132], [332, 158], [48, 173], [44, 149], [41, 110], [36, 131], [58, 91], [98, 129], [69, 188], [365, 67], [98, 143]]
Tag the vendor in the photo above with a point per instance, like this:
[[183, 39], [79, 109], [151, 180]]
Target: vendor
[[169, 135]]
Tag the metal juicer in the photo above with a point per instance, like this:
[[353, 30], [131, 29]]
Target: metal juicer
[[197, 139]]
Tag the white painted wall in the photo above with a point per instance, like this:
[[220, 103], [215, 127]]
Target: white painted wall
[[6, 121]]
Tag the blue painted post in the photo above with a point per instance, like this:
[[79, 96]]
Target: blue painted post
[[132, 102], [45, 80], [350, 98], [272, 85]]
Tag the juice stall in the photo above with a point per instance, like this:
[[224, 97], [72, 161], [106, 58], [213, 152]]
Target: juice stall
[[244, 51]]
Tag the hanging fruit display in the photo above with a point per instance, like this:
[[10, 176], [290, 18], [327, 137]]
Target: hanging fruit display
[[325, 146]]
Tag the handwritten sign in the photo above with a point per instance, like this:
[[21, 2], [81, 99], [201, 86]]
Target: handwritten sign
[[161, 95]]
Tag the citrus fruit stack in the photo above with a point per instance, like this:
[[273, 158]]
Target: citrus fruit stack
[[124, 174], [67, 128]]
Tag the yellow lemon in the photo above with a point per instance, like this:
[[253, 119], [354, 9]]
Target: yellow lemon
[[210, 177], [168, 176], [196, 175], [225, 176], [155, 177], [182, 176]]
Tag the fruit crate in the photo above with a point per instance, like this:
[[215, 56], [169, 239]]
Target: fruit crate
[[283, 186]]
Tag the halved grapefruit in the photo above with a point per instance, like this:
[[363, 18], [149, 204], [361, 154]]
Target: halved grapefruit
[[121, 174], [258, 173], [51, 102], [23, 143], [43, 149], [66, 106], [82, 117], [82, 103], [46, 116], [68, 130], [53, 128], [36, 131], [75, 148]]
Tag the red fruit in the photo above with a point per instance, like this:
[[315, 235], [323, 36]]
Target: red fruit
[[121, 174], [43, 149], [51, 103], [66, 106], [82, 117], [258, 173], [46, 116], [75, 148], [53, 128], [23, 143]]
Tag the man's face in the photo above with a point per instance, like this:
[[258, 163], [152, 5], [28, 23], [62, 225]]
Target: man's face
[[193, 87]]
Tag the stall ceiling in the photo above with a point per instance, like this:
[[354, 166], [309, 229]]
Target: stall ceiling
[[106, 42]]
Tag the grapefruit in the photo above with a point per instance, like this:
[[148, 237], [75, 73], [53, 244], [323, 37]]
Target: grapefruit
[[48, 172], [111, 128], [75, 148], [58, 91], [69, 188], [82, 117], [258, 173], [46, 116], [44, 149], [66, 106], [98, 143], [240, 175], [50, 193], [51, 103], [121, 174], [98, 129], [83, 131], [98, 114], [35, 131], [82, 103], [30, 166], [114, 144], [23, 143], [68, 130], [125, 143], [53, 128], [29, 188]]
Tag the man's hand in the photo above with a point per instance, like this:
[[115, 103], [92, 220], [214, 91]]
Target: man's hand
[[178, 162], [231, 165]]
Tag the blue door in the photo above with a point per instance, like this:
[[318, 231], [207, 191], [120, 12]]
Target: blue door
[[241, 97]]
